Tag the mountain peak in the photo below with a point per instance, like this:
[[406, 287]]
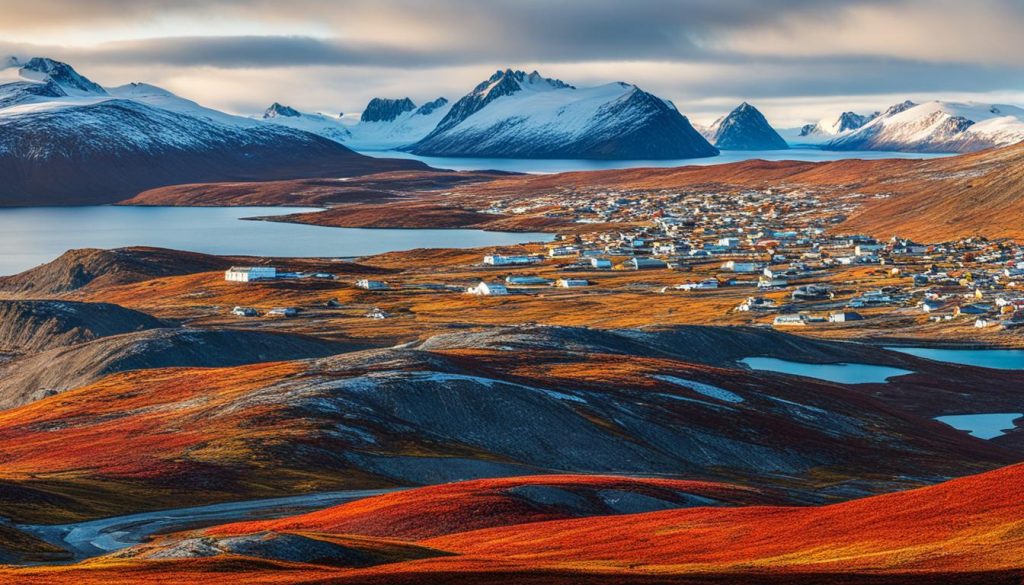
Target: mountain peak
[[900, 107], [386, 110], [276, 109], [745, 128], [429, 107], [42, 69], [9, 61]]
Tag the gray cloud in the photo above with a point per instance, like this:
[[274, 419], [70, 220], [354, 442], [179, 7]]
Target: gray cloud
[[332, 55]]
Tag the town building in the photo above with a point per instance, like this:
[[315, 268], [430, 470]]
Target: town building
[[250, 273]]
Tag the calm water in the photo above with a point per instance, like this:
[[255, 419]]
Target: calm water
[[983, 426], [841, 373], [34, 235], [1000, 359], [557, 166]]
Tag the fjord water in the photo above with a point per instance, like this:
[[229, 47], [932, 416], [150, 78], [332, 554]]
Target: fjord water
[[839, 373], [33, 235], [999, 359], [519, 165]]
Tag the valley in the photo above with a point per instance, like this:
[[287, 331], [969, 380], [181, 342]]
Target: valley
[[730, 293]]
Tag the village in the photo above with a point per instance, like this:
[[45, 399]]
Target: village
[[755, 257]]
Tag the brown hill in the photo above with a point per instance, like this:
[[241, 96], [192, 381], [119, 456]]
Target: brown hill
[[377, 187], [77, 269], [30, 326]]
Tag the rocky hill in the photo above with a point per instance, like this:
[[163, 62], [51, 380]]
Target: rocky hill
[[32, 326], [92, 267], [44, 374]]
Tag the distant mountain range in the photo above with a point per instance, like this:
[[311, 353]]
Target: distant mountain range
[[935, 126], [67, 140]]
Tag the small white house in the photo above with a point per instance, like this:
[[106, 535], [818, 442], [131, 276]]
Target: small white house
[[601, 263], [283, 312], [244, 312], [366, 284], [377, 313], [250, 273], [488, 289]]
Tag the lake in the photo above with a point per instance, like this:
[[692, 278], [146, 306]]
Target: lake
[[558, 166], [840, 373], [33, 235], [983, 426], [999, 359]]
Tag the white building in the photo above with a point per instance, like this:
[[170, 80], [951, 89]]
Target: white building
[[250, 273], [745, 267], [601, 263], [793, 319], [498, 260], [572, 282], [366, 284], [488, 289]]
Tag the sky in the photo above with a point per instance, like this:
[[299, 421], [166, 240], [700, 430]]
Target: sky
[[796, 60]]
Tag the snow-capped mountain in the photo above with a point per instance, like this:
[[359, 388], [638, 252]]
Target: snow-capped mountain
[[744, 128], [828, 128], [387, 124], [936, 126], [65, 139], [322, 125], [518, 115]]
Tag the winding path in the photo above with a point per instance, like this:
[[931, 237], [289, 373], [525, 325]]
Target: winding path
[[96, 537]]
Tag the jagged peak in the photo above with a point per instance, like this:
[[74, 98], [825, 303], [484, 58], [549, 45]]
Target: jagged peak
[[429, 107], [900, 107], [46, 69], [504, 82], [386, 109], [277, 109]]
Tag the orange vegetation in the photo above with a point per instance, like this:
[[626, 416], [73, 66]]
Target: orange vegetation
[[459, 507], [969, 530], [969, 524]]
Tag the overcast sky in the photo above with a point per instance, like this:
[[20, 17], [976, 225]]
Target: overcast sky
[[797, 60]]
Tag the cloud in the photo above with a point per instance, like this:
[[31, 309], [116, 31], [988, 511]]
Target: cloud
[[702, 54]]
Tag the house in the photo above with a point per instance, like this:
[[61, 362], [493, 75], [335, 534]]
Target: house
[[745, 267], [707, 284], [756, 304], [572, 282], [790, 319], [488, 289], [250, 273], [812, 291], [563, 251], [526, 280], [498, 260], [366, 284], [644, 263], [982, 322], [971, 310], [283, 312], [769, 283], [376, 313], [600, 263], [244, 312], [930, 305], [844, 317]]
